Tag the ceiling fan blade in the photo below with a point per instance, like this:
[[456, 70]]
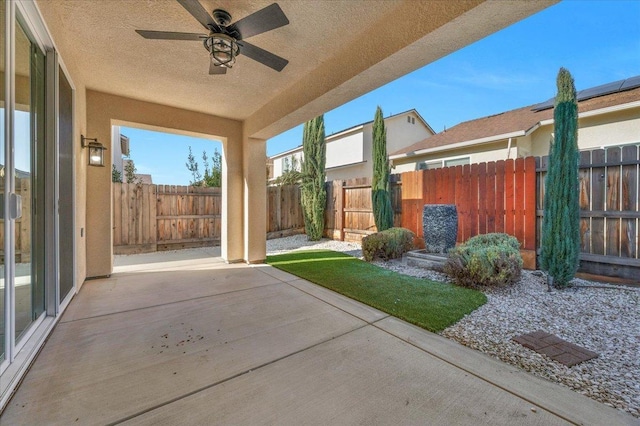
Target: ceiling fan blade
[[197, 11], [267, 19], [264, 57], [169, 35], [216, 70]]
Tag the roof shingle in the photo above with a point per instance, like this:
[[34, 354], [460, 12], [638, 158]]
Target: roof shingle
[[521, 119]]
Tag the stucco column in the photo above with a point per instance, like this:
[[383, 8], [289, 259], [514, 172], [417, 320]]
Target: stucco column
[[232, 236], [99, 234], [255, 200]]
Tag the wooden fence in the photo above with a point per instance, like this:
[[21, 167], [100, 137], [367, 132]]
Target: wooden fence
[[147, 218], [609, 211], [349, 214], [490, 197], [502, 196], [284, 212]]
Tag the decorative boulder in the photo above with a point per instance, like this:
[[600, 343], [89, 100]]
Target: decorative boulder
[[440, 227]]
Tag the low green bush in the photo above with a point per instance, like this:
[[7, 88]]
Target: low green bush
[[489, 260], [493, 239], [389, 244]]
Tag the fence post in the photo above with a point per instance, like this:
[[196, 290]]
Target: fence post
[[340, 209]]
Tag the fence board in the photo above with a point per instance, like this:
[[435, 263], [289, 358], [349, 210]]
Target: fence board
[[518, 198], [609, 211], [146, 216], [529, 206], [482, 200], [490, 199]]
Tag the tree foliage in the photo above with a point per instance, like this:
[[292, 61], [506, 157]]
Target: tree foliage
[[116, 176], [192, 166], [130, 171], [380, 198], [212, 172], [212, 176], [561, 221], [291, 173], [314, 194]]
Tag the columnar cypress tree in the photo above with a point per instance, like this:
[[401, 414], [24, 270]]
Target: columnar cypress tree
[[380, 198], [314, 195], [561, 222]]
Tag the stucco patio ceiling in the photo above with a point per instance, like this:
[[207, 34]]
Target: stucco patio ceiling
[[337, 50]]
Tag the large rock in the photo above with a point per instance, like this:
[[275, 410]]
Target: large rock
[[439, 227]]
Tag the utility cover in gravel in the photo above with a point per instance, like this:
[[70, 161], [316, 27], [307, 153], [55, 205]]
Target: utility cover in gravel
[[555, 348]]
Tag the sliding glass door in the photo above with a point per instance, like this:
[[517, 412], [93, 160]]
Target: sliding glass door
[[22, 163], [29, 120]]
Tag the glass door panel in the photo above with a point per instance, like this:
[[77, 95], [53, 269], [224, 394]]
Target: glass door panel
[[28, 138], [2, 175], [66, 164]]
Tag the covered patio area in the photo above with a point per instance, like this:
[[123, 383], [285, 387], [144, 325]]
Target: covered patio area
[[184, 338]]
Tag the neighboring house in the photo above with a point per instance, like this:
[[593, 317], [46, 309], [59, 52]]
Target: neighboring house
[[120, 147], [609, 115], [349, 151]]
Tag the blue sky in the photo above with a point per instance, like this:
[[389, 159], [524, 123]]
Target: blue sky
[[598, 41]]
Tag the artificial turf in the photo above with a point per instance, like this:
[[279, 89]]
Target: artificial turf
[[428, 304]]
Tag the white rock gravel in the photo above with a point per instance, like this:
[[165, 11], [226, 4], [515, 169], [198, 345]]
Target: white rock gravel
[[600, 317]]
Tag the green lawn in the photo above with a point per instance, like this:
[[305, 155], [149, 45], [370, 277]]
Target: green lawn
[[428, 304]]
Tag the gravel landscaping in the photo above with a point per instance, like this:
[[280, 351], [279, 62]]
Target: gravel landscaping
[[600, 317]]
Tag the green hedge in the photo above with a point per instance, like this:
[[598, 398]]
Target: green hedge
[[389, 244], [485, 261]]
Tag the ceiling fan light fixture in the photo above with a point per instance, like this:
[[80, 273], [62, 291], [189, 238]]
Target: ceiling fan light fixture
[[222, 49]]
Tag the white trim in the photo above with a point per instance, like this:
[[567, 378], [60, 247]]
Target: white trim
[[346, 165], [24, 358], [35, 24], [480, 141], [353, 129]]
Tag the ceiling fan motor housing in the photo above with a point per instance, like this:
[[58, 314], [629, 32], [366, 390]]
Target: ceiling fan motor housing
[[222, 17]]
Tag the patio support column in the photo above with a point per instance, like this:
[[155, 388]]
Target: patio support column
[[232, 235], [255, 199]]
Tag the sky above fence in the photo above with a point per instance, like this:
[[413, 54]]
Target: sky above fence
[[598, 41]]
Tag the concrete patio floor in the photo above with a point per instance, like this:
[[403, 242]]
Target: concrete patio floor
[[187, 339]]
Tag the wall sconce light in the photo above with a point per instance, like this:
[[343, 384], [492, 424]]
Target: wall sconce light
[[96, 151]]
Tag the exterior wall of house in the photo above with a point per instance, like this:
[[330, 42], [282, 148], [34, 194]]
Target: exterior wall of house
[[347, 149], [615, 128], [279, 162], [116, 155], [350, 155], [476, 154], [611, 129]]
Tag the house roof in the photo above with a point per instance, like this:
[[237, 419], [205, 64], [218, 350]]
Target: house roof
[[333, 136], [514, 123]]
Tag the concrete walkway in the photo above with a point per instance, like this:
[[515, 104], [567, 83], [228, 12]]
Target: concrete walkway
[[194, 341]]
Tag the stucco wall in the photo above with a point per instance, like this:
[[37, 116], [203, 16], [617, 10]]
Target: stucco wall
[[347, 149], [615, 128], [105, 110]]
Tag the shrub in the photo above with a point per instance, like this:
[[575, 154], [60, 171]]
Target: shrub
[[489, 260], [493, 239], [389, 244]]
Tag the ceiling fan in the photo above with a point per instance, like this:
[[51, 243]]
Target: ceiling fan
[[226, 40]]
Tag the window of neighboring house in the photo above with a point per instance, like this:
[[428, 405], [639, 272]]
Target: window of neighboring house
[[457, 162], [423, 165], [411, 120]]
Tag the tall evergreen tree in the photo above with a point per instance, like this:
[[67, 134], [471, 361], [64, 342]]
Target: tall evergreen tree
[[314, 194], [380, 198], [561, 222]]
